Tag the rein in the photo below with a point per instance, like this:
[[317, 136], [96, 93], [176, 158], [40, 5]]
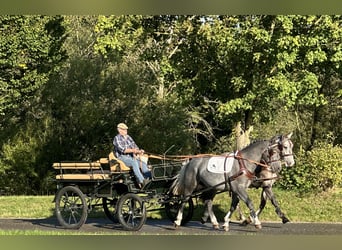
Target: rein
[[249, 174], [177, 157], [237, 155]]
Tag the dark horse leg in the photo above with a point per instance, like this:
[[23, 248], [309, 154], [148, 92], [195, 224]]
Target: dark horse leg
[[179, 217], [234, 203], [208, 198], [244, 221], [242, 194], [268, 193]]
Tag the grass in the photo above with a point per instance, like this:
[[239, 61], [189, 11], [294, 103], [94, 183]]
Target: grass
[[26, 206], [323, 207]]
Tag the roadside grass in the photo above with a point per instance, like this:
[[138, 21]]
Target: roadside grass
[[322, 207], [45, 232]]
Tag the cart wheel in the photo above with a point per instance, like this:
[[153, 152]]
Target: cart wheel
[[131, 212], [71, 207], [172, 208], [109, 207]]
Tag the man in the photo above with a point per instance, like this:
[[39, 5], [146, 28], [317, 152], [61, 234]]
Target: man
[[126, 149]]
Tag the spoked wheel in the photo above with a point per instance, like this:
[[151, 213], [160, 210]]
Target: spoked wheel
[[109, 207], [71, 207], [131, 212], [172, 207]]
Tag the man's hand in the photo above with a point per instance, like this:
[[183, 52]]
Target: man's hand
[[138, 151]]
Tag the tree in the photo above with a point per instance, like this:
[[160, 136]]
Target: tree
[[30, 51], [250, 67], [141, 47]]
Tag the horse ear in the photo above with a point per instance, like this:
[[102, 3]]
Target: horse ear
[[275, 139], [289, 135], [280, 139]]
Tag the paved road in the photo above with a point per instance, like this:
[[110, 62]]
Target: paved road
[[165, 227]]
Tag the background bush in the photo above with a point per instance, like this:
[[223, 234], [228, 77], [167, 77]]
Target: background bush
[[316, 170]]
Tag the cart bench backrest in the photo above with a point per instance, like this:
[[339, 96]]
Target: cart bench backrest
[[90, 170], [117, 165]]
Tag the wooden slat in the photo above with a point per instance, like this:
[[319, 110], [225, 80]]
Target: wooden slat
[[76, 165], [83, 177]]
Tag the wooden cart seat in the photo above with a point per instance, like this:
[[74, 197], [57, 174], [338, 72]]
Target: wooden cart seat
[[99, 170], [117, 165]]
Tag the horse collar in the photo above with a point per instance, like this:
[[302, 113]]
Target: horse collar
[[243, 169]]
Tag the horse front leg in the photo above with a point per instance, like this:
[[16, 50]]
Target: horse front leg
[[263, 200], [234, 203], [268, 191], [244, 196], [244, 221]]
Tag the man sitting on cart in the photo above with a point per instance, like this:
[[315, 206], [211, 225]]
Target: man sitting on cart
[[126, 150]]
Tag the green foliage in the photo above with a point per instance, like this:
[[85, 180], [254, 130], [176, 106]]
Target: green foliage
[[316, 170], [65, 83], [29, 52], [23, 163]]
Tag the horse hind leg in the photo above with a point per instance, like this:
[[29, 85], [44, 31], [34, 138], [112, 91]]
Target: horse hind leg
[[209, 212], [205, 216], [212, 215], [178, 221]]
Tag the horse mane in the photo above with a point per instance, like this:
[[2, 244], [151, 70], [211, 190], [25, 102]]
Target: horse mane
[[255, 141]]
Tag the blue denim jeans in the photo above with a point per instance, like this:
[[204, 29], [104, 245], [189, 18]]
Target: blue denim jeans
[[135, 164]]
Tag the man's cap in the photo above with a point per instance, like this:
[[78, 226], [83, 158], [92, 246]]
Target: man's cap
[[122, 126]]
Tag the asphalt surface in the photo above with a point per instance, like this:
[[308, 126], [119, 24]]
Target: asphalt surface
[[165, 227]]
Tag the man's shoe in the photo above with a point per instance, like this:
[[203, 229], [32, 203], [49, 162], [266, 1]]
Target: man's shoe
[[144, 183]]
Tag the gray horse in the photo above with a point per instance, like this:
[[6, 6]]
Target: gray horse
[[195, 177], [267, 176]]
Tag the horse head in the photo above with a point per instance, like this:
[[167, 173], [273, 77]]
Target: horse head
[[272, 158], [285, 146]]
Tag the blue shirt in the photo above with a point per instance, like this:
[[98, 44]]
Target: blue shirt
[[121, 143]]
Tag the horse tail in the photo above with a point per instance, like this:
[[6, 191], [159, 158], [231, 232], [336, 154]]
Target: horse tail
[[177, 187]]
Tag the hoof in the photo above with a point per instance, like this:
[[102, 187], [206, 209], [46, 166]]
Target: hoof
[[258, 226], [245, 223], [285, 220], [216, 227], [225, 228], [203, 221], [176, 226]]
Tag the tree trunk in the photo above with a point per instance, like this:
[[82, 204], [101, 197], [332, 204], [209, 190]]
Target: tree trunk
[[242, 136]]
